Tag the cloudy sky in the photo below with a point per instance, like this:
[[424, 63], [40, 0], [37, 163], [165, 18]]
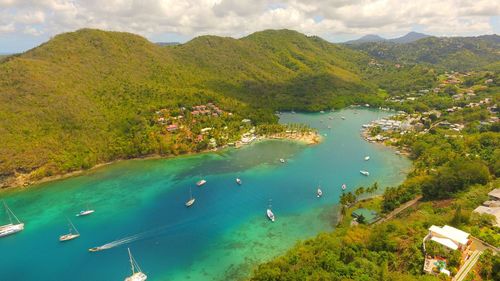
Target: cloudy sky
[[27, 23]]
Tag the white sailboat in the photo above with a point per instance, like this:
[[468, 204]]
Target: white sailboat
[[14, 226], [137, 274], [270, 213], [70, 235], [344, 186], [85, 212], [190, 202], [319, 192], [201, 182]]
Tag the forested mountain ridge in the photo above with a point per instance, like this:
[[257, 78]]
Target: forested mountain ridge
[[459, 53], [89, 96]]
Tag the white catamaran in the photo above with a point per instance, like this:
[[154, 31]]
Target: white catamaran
[[14, 226], [137, 274], [70, 235]]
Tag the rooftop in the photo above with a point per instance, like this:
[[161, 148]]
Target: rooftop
[[495, 193], [494, 211], [369, 215], [448, 235]]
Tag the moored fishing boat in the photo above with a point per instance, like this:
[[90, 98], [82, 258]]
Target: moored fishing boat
[[70, 235], [238, 181], [14, 226], [364, 173], [367, 158], [201, 182], [344, 186], [137, 274]]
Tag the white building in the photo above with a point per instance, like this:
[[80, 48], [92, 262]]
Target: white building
[[449, 237]]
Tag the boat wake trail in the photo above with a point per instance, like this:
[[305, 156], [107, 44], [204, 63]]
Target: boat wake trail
[[119, 242], [143, 235]]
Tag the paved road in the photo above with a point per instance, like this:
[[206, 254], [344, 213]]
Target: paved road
[[400, 209], [468, 265], [481, 245]]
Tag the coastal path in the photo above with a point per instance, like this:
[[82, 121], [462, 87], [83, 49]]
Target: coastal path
[[400, 209]]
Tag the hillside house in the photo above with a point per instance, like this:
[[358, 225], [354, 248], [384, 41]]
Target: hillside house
[[172, 128], [450, 237]]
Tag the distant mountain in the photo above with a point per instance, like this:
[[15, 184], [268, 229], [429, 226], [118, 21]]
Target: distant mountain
[[457, 53], [367, 39], [167, 43], [408, 38]]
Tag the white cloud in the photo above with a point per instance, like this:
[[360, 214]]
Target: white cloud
[[6, 28], [239, 17]]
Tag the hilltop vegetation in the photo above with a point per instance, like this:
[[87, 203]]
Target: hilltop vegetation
[[453, 53], [90, 96]]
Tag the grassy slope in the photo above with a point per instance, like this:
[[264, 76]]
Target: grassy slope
[[88, 96]]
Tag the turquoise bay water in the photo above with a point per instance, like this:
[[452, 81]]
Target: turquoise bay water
[[223, 235]]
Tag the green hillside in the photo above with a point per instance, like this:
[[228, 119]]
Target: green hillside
[[90, 96], [458, 53]]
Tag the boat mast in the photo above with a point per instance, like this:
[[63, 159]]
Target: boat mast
[[10, 213], [72, 226], [131, 261]]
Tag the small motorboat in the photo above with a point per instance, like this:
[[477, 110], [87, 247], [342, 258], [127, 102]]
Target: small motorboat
[[367, 158], [343, 118], [282, 160], [238, 181], [322, 111], [364, 173], [344, 186], [96, 249], [85, 213], [200, 183], [319, 193]]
